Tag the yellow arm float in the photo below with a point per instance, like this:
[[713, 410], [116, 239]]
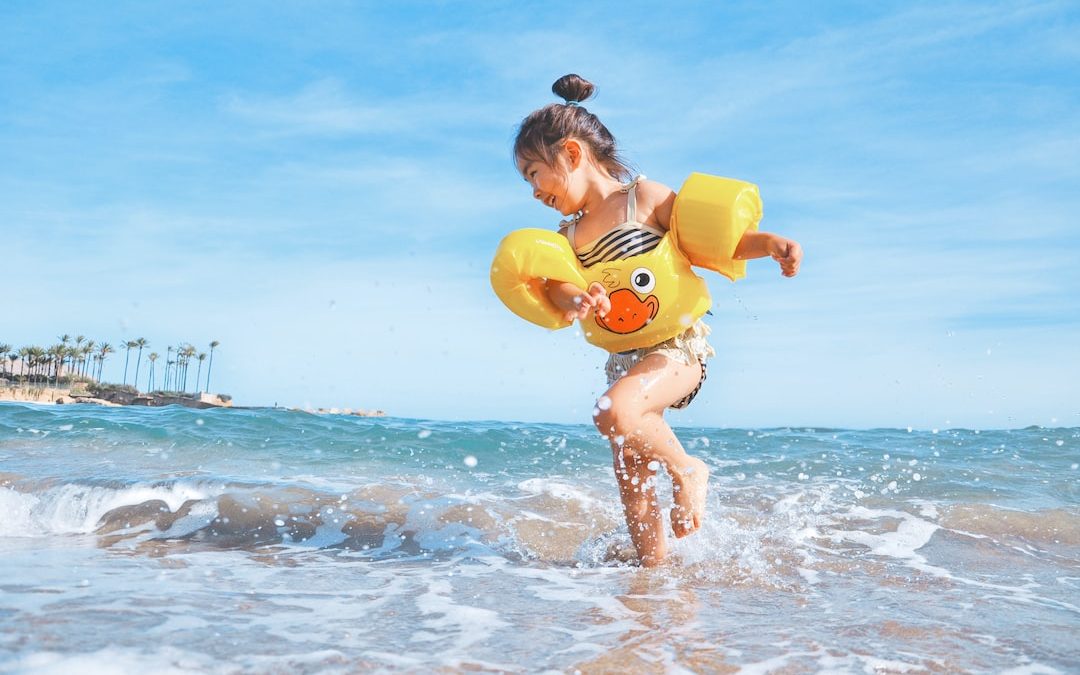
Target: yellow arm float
[[524, 261], [709, 218]]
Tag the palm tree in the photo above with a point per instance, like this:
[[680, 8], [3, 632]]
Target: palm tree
[[4, 349], [189, 352], [13, 357], [87, 350], [65, 340], [24, 358], [37, 359], [181, 362], [79, 339], [127, 354], [150, 380], [104, 350], [70, 355], [198, 374], [140, 343], [210, 365], [168, 362], [26, 354], [24, 361], [56, 357]]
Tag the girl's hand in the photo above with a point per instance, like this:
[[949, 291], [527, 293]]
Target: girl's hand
[[760, 244], [788, 253], [576, 303]]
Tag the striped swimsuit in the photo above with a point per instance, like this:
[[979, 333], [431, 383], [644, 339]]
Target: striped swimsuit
[[625, 240]]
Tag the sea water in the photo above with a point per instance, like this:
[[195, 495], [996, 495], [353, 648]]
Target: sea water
[[223, 541]]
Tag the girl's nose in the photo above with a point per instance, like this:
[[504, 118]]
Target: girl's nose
[[537, 195]]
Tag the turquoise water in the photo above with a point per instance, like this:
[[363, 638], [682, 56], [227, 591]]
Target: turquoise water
[[177, 540]]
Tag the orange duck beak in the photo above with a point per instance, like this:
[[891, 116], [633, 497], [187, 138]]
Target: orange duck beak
[[628, 313]]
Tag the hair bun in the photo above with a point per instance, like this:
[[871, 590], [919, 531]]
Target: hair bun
[[573, 88]]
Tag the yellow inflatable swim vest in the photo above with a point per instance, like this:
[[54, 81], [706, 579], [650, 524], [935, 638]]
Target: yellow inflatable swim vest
[[654, 296]]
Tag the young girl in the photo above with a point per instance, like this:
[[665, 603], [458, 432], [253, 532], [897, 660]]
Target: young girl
[[569, 159]]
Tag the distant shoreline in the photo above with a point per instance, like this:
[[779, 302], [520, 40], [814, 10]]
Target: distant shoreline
[[63, 396]]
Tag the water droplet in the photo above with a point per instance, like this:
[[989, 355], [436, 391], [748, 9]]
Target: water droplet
[[603, 403], [279, 522], [470, 461], [423, 433], [916, 476], [199, 422]]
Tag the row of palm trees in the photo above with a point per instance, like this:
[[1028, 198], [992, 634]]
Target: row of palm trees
[[78, 358]]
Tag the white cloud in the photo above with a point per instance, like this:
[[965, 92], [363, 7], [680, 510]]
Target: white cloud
[[323, 107]]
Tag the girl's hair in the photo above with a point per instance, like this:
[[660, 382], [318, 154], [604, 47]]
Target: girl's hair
[[541, 134]]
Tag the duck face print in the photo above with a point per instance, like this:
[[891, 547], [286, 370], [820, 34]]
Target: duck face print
[[631, 308]]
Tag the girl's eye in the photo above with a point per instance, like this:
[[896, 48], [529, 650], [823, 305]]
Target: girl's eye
[[642, 280]]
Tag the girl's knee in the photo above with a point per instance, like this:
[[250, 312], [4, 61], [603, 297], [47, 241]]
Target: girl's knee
[[614, 416], [620, 423]]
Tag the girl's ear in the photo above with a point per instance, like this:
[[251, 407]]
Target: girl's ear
[[573, 152]]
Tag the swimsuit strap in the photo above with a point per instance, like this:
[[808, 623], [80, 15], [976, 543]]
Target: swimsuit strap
[[570, 227], [631, 210], [631, 198]]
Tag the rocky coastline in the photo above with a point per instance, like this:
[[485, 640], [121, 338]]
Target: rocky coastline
[[77, 395]]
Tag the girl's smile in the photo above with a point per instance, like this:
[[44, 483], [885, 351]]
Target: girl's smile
[[549, 184]]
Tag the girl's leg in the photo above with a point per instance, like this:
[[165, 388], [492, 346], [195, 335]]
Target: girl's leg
[[637, 488], [632, 419]]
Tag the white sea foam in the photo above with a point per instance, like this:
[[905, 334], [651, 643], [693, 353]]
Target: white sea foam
[[114, 661], [468, 625], [558, 490], [911, 534], [77, 509]]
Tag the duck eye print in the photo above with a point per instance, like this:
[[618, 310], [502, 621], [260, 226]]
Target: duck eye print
[[643, 280]]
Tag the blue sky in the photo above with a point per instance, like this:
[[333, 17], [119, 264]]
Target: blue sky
[[320, 186]]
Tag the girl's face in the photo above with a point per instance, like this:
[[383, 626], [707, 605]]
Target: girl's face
[[556, 186]]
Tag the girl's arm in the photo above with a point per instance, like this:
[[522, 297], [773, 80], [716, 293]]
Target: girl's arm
[[574, 302], [785, 251]]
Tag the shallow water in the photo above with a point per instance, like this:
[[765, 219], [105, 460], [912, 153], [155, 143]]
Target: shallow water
[[176, 540]]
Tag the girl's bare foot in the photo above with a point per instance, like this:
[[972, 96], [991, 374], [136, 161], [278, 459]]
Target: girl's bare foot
[[690, 485]]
